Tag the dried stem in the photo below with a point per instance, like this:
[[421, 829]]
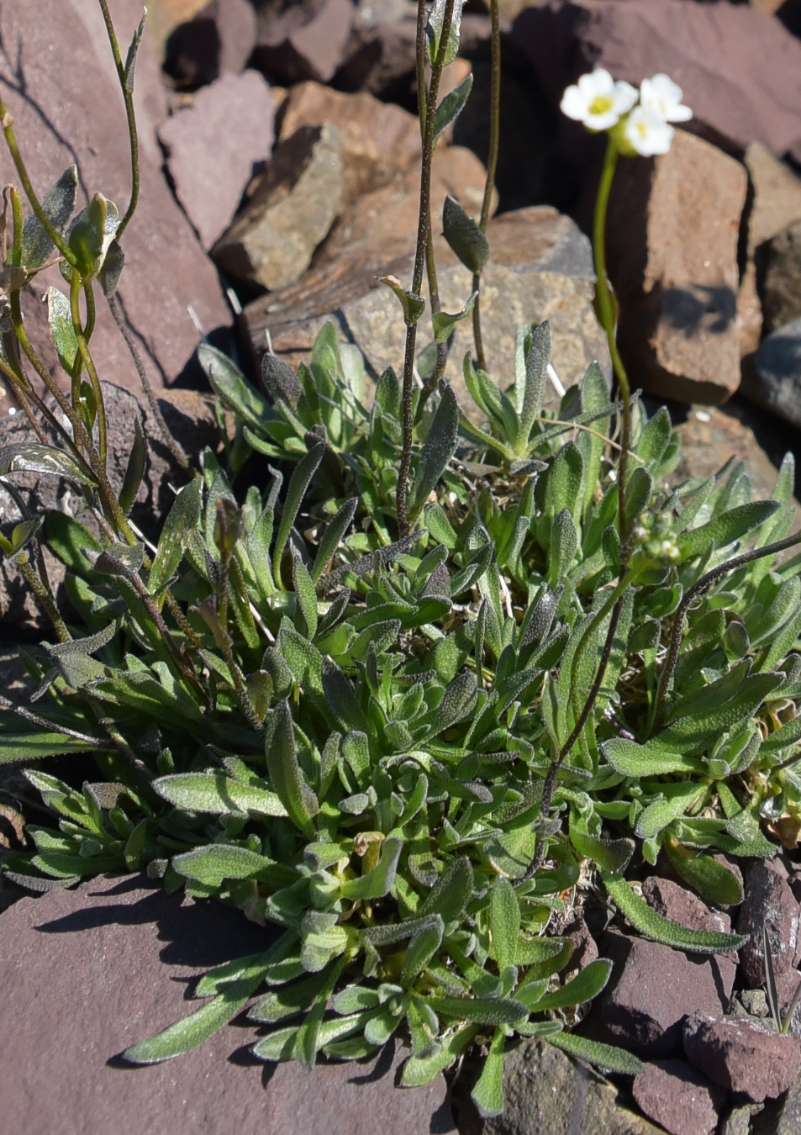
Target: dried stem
[[492, 166]]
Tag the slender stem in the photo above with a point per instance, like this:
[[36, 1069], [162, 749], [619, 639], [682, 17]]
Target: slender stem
[[492, 166], [7, 123], [127, 94], [44, 597], [84, 359], [423, 223], [605, 304]]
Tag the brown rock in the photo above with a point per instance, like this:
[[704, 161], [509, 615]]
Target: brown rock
[[780, 264], [305, 42], [545, 1093], [212, 146], [673, 232], [651, 992], [61, 45], [777, 195], [135, 948], [679, 1098], [585, 949], [680, 905], [717, 53], [165, 15], [749, 312], [380, 139], [769, 902], [741, 1056], [271, 243], [540, 268], [216, 41]]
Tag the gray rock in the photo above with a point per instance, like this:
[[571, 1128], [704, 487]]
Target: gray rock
[[774, 378], [271, 243], [780, 265], [212, 147], [217, 41], [780, 1117], [540, 269], [738, 1120], [58, 46], [306, 41], [546, 1093], [86, 973], [651, 992], [679, 1098], [742, 1056], [769, 902]]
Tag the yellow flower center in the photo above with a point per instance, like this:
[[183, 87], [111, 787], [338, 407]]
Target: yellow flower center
[[601, 104]]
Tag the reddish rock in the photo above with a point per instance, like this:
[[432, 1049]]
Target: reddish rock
[[769, 901], [217, 41], [585, 949], [86, 973], [717, 53], [742, 1056], [381, 140], [652, 990], [61, 45], [680, 905], [212, 146], [305, 42], [673, 232], [679, 1098]]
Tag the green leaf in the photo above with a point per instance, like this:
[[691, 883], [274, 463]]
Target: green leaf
[[612, 854], [480, 1010], [679, 798], [434, 27], [30, 457], [439, 447], [651, 759], [537, 359], [306, 596], [604, 1056], [445, 323], [412, 304], [62, 331], [298, 484], [452, 105], [725, 529], [420, 1070], [504, 923], [713, 881], [135, 469], [332, 537], [378, 882], [451, 893], [464, 236], [659, 929], [213, 862], [57, 205], [217, 793], [285, 772], [587, 984], [91, 234], [182, 520], [421, 950], [232, 388], [564, 542], [188, 1033], [487, 1095], [34, 746]]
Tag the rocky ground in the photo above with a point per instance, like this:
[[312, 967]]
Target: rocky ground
[[279, 155]]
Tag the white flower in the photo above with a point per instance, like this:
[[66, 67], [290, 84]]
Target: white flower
[[598, 101], [664, 96], [646, 132]]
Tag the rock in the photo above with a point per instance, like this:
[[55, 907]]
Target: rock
[[672, 250], [585, 949], [212, 146], [738, 1120], [163, 16], [547, 1094], [769, 902], [777, 195], [135, 948], [61, 45], [774, 378], [741, 1056], [679, 1098], [781, 278], [652, 990], [305, 42], [715, 52], [271, 243], [380, 140], [191, 420], [782, 1117], [680, 905], [218, 40], [540, 268]]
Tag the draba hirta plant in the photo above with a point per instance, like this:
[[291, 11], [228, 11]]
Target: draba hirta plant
[[402, 687]]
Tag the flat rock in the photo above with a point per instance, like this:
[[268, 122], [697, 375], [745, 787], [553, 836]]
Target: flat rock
[[212, 146], [546, 1093], [380, 140], [673, 233], [306, 41], [777, 195], [271, 242], [540, 268], [780, 265], [216, 41], [61, 45], [770, 903], [717, 53], [679, 1098], [651, 992], [86, 973], [741, 1056], [774, 378], [680, 905]]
